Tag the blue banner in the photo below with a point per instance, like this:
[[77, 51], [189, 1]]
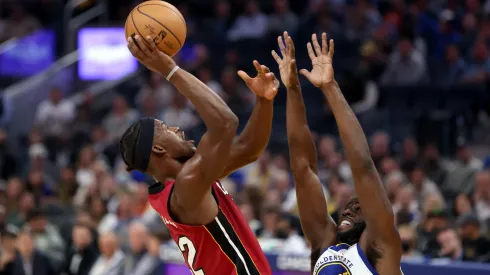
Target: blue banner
[[28, 55], [283, 264]]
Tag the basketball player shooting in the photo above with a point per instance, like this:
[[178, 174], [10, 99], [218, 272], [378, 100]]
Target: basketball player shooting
[[366, 240], [208, 227]]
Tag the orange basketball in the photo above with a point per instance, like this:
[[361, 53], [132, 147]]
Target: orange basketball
[[160, 20]]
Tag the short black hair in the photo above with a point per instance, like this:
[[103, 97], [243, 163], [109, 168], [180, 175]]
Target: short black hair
[[128, 144], [35, 214]]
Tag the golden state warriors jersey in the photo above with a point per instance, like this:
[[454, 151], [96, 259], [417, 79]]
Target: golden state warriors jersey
[[343, 259]]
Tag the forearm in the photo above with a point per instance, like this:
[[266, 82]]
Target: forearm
[[351, 133], [300, 139], [212, 109], [255, 136]]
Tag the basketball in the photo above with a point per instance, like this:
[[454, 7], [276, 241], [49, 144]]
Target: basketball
[[160, 20]]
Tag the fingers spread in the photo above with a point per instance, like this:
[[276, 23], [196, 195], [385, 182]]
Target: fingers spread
[[316, 45], [292, 65], [276, 57], [243, 75], [305, 73], [311, 53], [324, 43], [264, 69], [282, 47], [331, 49], [291, 48], [257, 66]]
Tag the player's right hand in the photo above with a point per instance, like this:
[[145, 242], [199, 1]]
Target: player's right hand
[[287, 64], [322, 74], [149, 55]]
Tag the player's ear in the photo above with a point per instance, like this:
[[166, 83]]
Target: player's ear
[[158, 149]]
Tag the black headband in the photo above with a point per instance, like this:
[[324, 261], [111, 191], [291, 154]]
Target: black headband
[[142, 150]]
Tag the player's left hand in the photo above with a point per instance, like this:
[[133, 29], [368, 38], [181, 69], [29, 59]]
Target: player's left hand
[[264, 84], [322, 73]]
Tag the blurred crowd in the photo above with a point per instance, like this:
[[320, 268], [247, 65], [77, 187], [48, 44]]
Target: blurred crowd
[[67, 200]]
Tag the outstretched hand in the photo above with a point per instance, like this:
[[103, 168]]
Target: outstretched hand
[[287, 64], [264, 84], [146, 51], [322, 72]]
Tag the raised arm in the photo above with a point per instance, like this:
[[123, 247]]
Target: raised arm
[[318, 227], [194, 181], [253, 140], [376, 207]]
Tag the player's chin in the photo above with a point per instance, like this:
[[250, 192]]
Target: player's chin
[[344, 228]]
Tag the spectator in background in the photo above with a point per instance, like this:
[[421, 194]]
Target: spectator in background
[[47, 237], [30, 261], [448, 33], [8, 163], [248, 212], [424, 187], [111, 259], [481, 197], [250, 25], [139, 261], [450, 245], [380, 147], [434, 222], [408, 237], [26, 205], [406, 66], [120, 117], [54, 117], [119, 221], [475, 246], [155, 87], [9, 252], [469, 32], [83, 253], [479, 65], [39, 162], [270, 219], [435, 166], [15, 188], [452, 69], [179, 114], [220, 23], [410, 154], [293, 243], [464, 157], [206, 76], [282, 19], [19, 23], [236, 95]]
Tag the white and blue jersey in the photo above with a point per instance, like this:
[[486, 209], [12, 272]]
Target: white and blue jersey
[[343, 259]]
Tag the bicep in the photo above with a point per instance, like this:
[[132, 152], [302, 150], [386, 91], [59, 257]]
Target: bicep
[[319, 228], [203, 169]]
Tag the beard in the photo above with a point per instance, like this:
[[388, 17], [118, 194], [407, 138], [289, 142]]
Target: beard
[[353, 235]]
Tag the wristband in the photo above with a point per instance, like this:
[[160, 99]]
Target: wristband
[[172, 72]]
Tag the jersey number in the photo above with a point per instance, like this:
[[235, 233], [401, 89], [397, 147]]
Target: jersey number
[[186, 245]]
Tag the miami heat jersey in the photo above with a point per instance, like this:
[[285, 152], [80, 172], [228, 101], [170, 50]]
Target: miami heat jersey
[[342, 259], [226, 246]]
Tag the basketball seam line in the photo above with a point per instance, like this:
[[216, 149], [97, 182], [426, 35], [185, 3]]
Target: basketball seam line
[[169, 31], [138, 31], [179, 15]]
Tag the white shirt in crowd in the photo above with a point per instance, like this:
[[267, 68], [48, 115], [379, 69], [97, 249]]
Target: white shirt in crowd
[[55, 118]]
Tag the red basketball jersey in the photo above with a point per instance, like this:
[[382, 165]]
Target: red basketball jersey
[[226, 246]]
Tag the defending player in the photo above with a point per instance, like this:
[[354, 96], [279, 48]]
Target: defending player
[[366, 241], [202, 218]]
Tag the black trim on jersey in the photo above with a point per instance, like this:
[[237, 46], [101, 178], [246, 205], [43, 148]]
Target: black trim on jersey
[[156, 188], [228, 249]]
